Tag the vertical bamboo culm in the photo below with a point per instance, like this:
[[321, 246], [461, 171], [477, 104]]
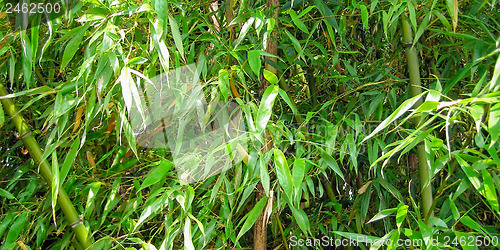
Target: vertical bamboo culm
[[36, 153], [414, 71]]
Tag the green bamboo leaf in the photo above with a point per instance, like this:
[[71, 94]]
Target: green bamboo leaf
[[188, 239], [283, 172], [330, 161], [285, 97], [55, 182], [157, 174], [70, 158], [177, 35], [468, 221], [488, 190], [6, 194], [112, 201], [471, 174], [264, 175], [137, 60], [298, 173], [224, 83], [266, 107], [495, 80], [494, 123], [270, 77], [401, 214], [16, 229], [382, 214], [421, 29], [26, 58], [327, 14], [305, 11], [252, 217], [244, 30], [91, 197], [413, 16], [12, 67], [301, 218], [6, 222], [453, 11], [295, 43], [161, 7], [390, 188], [73, 46], [405, 106], [296, 20], [151, 210], [364, 16], [255, 61], [374, 104], [2, 116]]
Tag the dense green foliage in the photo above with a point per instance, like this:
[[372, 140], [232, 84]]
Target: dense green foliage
[[339, 117]]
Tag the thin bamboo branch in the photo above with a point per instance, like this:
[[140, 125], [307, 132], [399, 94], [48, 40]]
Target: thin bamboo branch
[[416, 89], [36, 153]]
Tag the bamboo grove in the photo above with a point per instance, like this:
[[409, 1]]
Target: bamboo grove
[[377, 121]]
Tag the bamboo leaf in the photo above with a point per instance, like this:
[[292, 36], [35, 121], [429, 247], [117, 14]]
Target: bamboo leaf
[[295, 43], [91, 198], [330, 161], [26, 58], [298, 173], [495, 80], [301, 219], [252, 217], [244, 30], [453, 11], [296, 20], [16, 229], [488, 190], [255, 61], [364, 15], [70, 158], [188, 239], [157, 174], [6, 194], [403, 108], [73, 46], [327, 14], [177, 36], [401, 214], [494, 123], [283, 172], [285, 97], [266, 107], [270, 77], [2, 116], [264, 175], [382, 214], [390, 188]]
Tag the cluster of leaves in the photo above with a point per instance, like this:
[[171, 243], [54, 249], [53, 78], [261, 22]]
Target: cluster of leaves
[[338, 113]]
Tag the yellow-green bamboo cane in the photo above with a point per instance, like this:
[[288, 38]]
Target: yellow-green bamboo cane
[[414, 71], [36, 153]]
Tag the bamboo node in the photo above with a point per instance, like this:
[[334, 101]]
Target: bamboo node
[[76, 224], [22, 137]]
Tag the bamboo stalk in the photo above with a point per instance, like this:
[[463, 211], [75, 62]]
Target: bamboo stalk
[[414, 71], [36, 153]]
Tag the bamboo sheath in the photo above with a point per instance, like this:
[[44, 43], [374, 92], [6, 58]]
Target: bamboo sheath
[[45, 169]]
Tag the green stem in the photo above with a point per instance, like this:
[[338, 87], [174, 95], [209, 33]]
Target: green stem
[[416, 89], [36, 153]]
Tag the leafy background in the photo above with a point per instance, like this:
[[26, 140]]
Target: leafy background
[[332, 141]]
